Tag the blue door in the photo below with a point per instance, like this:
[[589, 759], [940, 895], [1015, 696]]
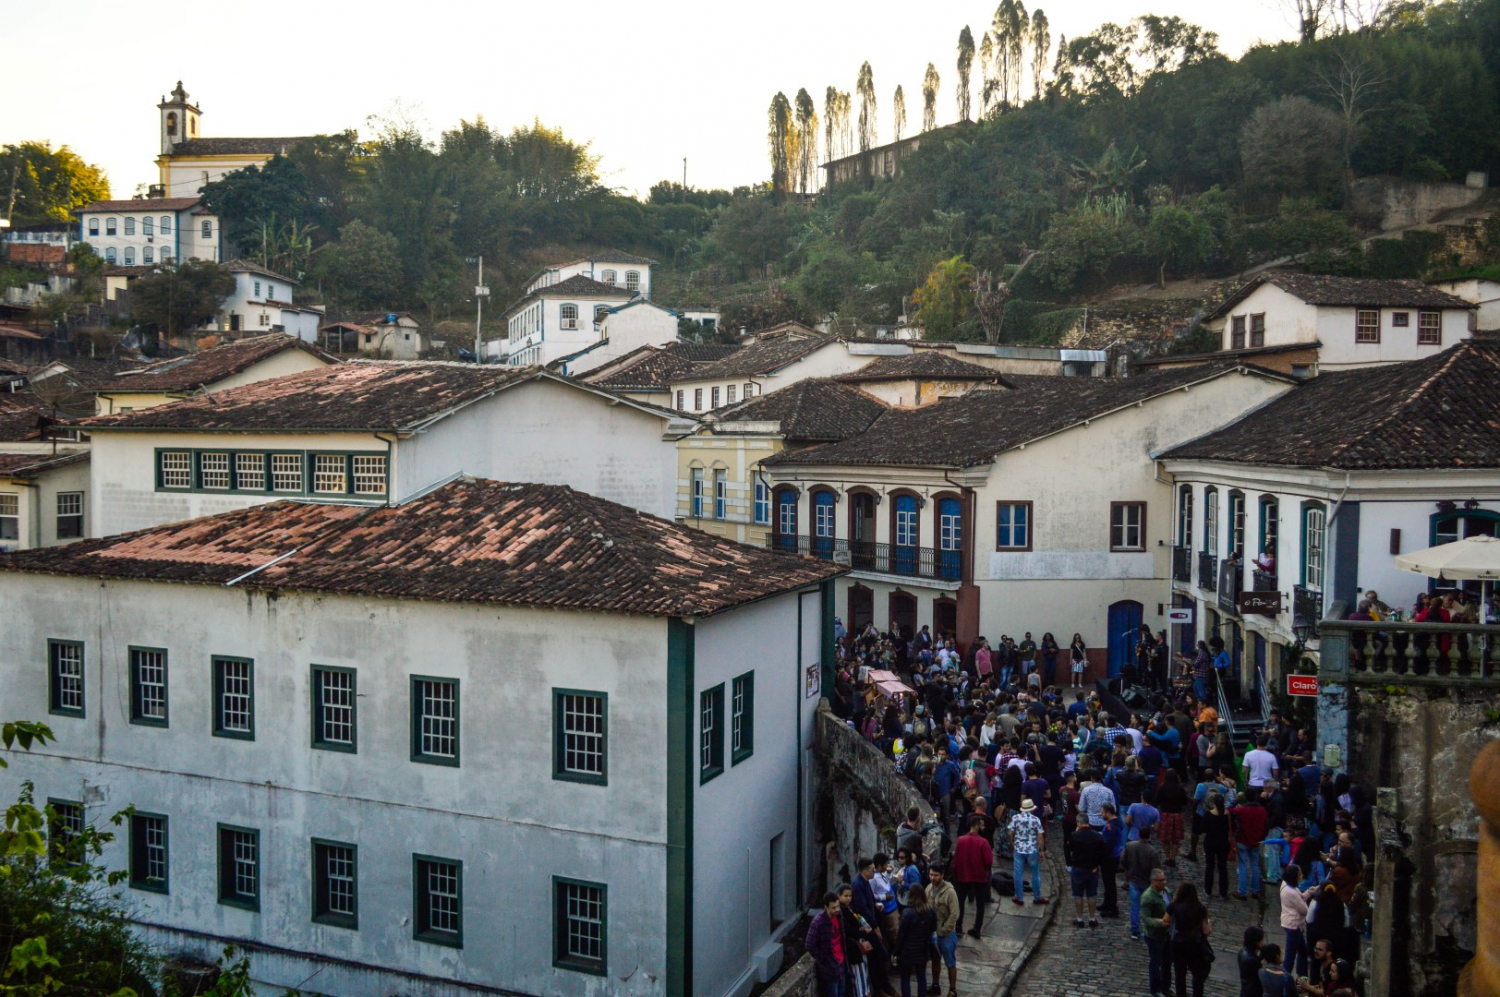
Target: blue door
[[905, 539], [786, 519], [1124, 631], [822, 544], [950, 539], [1189, 631]]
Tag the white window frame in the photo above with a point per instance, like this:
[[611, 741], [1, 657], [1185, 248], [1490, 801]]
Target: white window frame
[[567, 316], [696, 492], [721, 493], [1211, 521], [10, 516], [762, 503], [1314, 547], [1127, 526]]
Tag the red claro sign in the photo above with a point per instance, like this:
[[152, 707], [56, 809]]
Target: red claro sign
[[1301, 685]]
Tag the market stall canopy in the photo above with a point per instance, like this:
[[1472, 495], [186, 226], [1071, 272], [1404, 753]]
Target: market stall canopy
[[889, 684], [1467, 560]]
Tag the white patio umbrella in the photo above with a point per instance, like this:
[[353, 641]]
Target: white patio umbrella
[[1467, 560]]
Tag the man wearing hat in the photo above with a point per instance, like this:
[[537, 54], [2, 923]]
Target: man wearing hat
[[1027, 839]]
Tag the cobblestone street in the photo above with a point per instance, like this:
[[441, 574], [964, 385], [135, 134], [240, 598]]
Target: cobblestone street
[[1104, 962]]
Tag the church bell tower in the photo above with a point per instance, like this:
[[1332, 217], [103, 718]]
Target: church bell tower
[[179, 120]]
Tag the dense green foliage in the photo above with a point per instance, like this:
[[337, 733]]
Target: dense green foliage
[[178, 296], [1142, 154], [41, 184]]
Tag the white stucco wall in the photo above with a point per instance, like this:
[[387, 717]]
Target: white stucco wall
[[36, 502], [554, 434], [183, 241], [1340, 351], [625, 331], [830, 361], [499, 811], [1481, 292], [738, 813]]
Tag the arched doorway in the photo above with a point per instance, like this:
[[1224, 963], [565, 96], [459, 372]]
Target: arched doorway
[[950, 530], [861, 608], [823, 529], [862, 529], [945, 617], [1124, 630], [904, 613]]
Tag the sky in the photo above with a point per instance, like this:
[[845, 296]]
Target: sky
[[647, 84]]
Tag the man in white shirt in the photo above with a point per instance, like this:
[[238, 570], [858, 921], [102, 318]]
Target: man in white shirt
[[1260, 765]]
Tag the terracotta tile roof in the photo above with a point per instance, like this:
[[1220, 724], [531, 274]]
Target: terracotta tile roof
[[12, 368], [814, 409], [974, 428], [141, 204], [19, 416], [921, 365], [245, 266], [763, 357], [17, 331], [588, 286], [378, 395], [470, 541], [237, 146], [26, 465], [1167, 359], [653, 368], [1439, 412], [138, 270], [92, 373], [1317, 289], [613, 256], [191, 372]]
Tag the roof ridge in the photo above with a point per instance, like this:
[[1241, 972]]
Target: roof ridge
[[1448, 359]]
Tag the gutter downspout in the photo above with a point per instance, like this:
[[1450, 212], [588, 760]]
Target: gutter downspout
[[1337, 506], [274, 560], [390, 469]]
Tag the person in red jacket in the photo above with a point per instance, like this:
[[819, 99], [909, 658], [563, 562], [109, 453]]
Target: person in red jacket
[[972, 860]]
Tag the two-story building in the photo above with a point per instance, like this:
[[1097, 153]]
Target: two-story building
[[766, 363], [43, 495], [147, 231], [1036, 507], [373, 432], [611, 267], [722, 487], [1306, 323], [130, 386], [262, 302], [623, 330], [646, 373], [189, 160], [501, 738], [557, 319], [1321, 487]]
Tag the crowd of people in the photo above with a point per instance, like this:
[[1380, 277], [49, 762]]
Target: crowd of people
[[1007, 755]]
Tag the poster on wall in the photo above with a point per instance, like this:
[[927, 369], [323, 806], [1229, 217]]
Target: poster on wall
[[814, 680]]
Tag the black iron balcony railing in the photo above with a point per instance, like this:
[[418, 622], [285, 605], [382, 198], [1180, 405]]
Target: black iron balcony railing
[[1182, 564], [1231, 579], [1263, 581], [1208, 571], [887, 559], [1307, 608]]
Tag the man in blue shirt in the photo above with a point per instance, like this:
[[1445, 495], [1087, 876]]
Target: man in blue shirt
[[945, 778], [1079, 707], [1113, 832]]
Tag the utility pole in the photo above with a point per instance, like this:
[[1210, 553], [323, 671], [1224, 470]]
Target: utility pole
[[684, 173], [480, 291]]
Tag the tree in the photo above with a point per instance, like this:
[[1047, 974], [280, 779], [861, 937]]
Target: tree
[[1291, 146], [1179, 239], [40, 184], [1311, 15], [180, 295], [930, 85], [865, 87], [898, 110], [945, 301], [248, 202], [989, 86], [965, 64], [1041, 41], [1352, 82], [1011, 29], [781, 136], [807, 142], [364, 268]]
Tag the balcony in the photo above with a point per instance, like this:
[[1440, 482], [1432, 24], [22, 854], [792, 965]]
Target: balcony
[[1231, 578], [885, 559], [1208, 571], [1307, 608], [1262, 581], [1182, 564], [1417, 653]]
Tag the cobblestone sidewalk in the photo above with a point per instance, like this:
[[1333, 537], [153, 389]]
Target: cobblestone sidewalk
[[1104, 962]]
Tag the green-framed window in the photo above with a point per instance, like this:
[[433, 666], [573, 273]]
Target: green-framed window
[[239, 866], [149, 852], [580, 918], [148, 686], [742, 718], [65, 684], [434, 720], [1270, 527], [580, 736], [335, 708], [438, 900], [710, 733], [234, 697], [335, 885], [1314, 545], [325, 473], [65, 823]]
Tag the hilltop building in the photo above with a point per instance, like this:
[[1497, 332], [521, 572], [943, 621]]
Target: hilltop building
[[188, 159]]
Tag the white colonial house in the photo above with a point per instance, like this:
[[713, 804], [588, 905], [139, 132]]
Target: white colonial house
[[646, 373], [313, 711], [262, 302], [43, 495], [1033, 508], [558, 320], [616, 269], [147, 231], [369, 432], [188, 160], [623, 330], [1341, 322], [1323, 486], [1482, 293], [130, 387], [768, 361]]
